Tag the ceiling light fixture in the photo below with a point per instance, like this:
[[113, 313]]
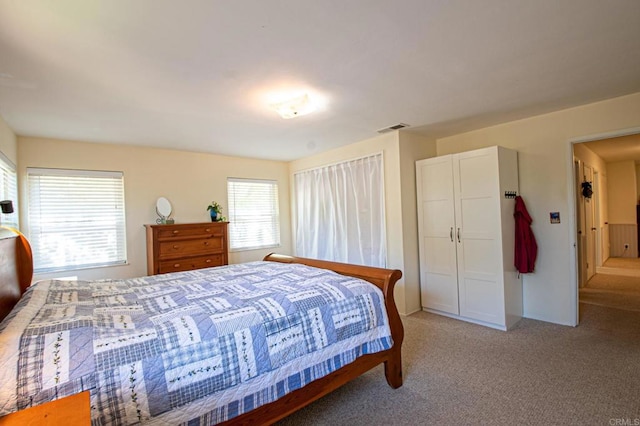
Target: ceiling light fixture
[[294, 107]]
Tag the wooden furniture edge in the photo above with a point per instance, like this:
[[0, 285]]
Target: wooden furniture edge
[[15, 278], [66, 411], [385, 279]]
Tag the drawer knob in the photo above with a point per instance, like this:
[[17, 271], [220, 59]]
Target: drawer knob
[[208, 230], [175, 232], [206, 243], [208, 260], [176, 247], [177, 265]]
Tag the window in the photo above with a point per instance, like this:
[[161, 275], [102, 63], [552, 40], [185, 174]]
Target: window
[[9, 190], [254, 221], [76, 218]]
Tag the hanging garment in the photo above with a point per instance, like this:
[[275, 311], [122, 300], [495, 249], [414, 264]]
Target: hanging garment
[[526, 248]]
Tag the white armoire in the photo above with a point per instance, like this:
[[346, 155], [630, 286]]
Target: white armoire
[[466, 233]]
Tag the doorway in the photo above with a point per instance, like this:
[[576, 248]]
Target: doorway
[[607, 182]]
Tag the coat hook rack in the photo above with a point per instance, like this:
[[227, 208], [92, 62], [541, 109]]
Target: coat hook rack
[[510, 194]]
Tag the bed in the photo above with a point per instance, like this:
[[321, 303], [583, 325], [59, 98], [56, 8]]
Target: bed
[[275, 331]]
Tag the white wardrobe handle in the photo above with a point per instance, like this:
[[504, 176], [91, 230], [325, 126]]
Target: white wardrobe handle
[[458, 234], [451, 234]]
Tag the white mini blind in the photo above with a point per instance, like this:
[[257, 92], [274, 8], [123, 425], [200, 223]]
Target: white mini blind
[[76, 218], [254, 220], [9, 190]]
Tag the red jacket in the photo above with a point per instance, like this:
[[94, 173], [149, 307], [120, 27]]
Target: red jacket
[[526, 248]]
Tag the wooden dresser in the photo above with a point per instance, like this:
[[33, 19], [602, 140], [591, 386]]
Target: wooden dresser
[[183, 247]]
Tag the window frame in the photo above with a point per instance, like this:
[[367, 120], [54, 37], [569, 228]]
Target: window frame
[[118, 214], [8, 171], [234, 223]]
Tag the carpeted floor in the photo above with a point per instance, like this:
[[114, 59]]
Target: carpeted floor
[[623, 262], [615, 291], [539, 373], [629, 266]]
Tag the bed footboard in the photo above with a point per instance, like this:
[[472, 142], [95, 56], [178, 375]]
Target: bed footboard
[[385, 279]]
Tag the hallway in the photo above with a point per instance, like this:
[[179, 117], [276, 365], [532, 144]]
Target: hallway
[[616, 285]]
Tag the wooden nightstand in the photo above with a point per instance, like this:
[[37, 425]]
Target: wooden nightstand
[[70, 411]]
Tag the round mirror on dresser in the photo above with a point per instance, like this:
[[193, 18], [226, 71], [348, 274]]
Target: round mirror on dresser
[[164, 209]]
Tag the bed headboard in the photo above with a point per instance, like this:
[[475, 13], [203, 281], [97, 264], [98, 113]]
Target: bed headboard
[[16, 268]]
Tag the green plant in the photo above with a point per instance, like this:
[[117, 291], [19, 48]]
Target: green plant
[[215, 207]]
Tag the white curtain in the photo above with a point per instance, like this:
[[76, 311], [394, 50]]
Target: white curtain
[[340, 212]]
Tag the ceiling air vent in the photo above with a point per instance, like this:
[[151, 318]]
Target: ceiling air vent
[[394, 127]]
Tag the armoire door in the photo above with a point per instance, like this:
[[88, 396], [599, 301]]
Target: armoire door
[[478, 235], [438, 272]]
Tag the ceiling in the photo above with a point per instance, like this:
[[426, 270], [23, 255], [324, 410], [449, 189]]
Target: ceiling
[[623, 148], [199, 75]]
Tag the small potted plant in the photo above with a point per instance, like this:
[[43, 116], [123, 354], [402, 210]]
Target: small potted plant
[[214, 209]]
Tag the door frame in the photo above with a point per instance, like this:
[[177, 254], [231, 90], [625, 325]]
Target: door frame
[[580, 226], [572, 194]]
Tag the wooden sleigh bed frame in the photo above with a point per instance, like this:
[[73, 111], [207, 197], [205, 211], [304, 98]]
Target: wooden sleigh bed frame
[[16, 272]]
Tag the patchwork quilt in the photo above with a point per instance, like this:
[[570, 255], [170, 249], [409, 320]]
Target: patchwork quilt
[[196, 347]]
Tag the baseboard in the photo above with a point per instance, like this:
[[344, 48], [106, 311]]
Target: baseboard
[[465, 319]]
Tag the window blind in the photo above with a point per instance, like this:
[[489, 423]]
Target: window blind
[[9, 190], [76, 218], [254, 220]]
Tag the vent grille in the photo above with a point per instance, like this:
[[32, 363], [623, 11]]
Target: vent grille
[[392, 128]]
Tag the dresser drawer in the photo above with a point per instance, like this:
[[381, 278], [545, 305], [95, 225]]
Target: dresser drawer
[[191, 231], [187, 246], [191, 263], [179, 248]]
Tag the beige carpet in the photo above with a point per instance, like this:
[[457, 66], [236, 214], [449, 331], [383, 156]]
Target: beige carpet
[[629, 266], [623, 262], [458, 373], [621, 292]]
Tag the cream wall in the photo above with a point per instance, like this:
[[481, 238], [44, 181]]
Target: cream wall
[[8, 142], [546, 184], [407, 292], [588, 157], [412, 147], [545, 171], [622, 192], [189, 180]]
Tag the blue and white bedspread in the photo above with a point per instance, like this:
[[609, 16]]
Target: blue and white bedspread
[[200, 346]]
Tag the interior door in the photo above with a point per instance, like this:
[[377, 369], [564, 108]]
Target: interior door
[[590, 226], [436, 228], [603, 200], [581, 233], [478, 235]]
